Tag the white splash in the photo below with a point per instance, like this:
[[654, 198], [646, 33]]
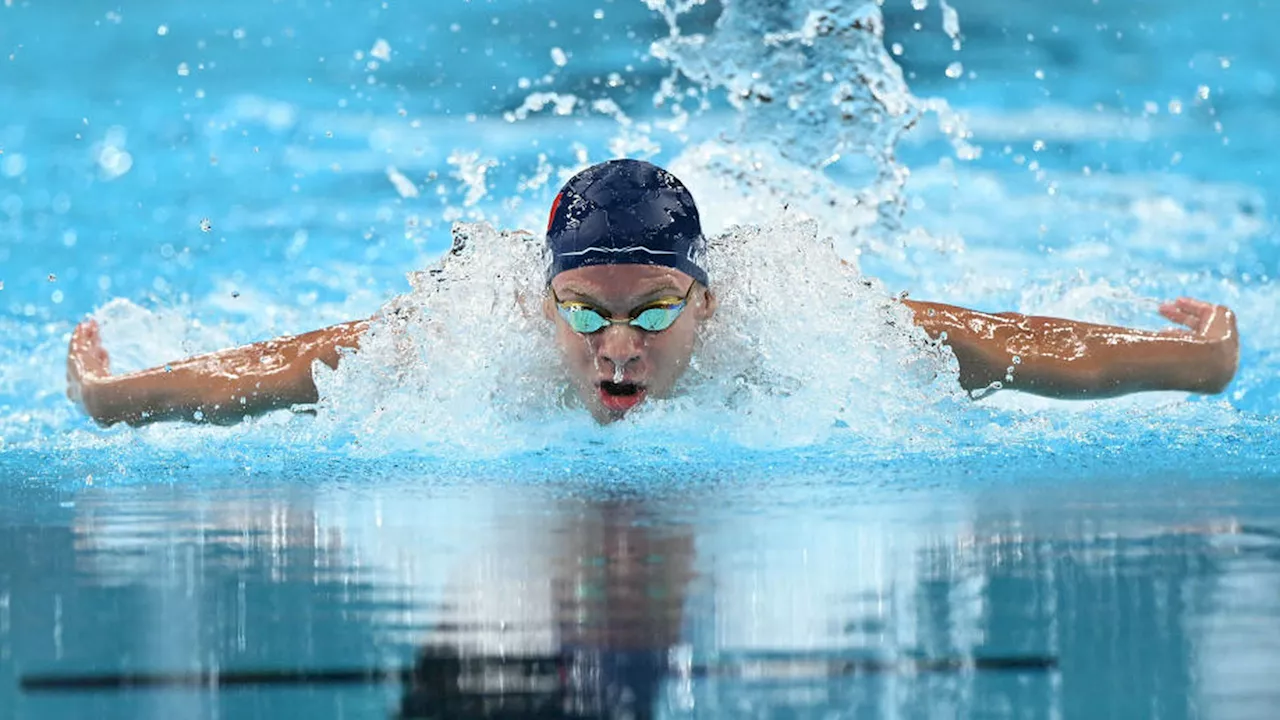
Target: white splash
[[403, 185], [465, 363]]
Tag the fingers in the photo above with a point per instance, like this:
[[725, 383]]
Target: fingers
[[1192, 305], [85, 356], [1193, 313], [1177, 314], [85, 335], [1206, 320]]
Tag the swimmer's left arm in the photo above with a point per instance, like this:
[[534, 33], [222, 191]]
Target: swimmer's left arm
[[1069, 359]]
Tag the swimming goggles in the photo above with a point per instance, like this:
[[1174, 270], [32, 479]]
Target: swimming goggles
[[653, 317]]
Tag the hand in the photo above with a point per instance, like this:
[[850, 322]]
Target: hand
[[1215, 327], [88, 369]]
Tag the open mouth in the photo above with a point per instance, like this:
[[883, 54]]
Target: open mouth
[[619, 389], [620, 397]]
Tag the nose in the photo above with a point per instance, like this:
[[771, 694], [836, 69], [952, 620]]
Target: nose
[[621, 345]]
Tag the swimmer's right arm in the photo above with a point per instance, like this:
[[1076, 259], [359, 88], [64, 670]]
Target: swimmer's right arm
[[224, 387]]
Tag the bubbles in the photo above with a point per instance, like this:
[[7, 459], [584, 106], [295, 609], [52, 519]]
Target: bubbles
[[955, 69], [403, 185], [113, 161], [471, 169], [815, 79], [951, 24], [13, 164], [819, 107], [466, 362]]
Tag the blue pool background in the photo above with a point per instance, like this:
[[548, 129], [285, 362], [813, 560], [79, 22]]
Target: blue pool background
[[1133, 540]]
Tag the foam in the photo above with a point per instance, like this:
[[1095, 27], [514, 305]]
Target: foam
[[800, 179], [464, 362]]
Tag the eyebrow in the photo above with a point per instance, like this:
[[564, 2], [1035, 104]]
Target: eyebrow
[[585, 297]]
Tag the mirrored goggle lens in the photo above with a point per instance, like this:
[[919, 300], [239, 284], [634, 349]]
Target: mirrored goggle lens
[[656, 319], [584, 320]]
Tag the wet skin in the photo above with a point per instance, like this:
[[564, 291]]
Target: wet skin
[[617, 368], [644, 364]]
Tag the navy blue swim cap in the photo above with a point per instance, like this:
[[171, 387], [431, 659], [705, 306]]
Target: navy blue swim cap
[[625, 212]]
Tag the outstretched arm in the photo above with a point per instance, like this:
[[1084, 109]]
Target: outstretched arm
[[222, 387], [1069, 359]]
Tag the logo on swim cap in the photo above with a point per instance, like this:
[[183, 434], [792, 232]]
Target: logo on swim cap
[[625, 212]]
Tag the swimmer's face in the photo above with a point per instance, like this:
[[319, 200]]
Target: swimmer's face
[[616, 368]]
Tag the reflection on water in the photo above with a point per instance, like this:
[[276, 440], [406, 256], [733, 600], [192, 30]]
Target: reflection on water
[[496, 599]]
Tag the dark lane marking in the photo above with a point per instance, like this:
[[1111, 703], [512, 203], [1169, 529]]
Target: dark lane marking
[[782, 669]]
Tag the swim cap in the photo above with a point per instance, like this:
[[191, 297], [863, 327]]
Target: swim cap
[[625, 212]]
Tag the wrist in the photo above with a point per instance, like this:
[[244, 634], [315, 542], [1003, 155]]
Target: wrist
[[97, 395], [1207, 367]]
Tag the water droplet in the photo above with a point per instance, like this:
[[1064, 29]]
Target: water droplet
[[1038, 145], [950, 23], [184, 69], [1039, 74], [955, 70], [598, 14], [162, 30], [1175, 107], [897, 49], [558, 57], [1203, 92]]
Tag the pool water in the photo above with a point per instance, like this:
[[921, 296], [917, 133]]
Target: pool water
[[197, 176]]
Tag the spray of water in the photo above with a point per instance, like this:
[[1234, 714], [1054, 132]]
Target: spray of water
[[820, 107], [800, 183], [465, 362]]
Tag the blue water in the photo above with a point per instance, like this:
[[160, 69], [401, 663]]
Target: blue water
[[1131, 547]]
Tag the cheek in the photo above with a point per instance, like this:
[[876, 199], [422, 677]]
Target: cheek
[[576, 349], [672, 347]]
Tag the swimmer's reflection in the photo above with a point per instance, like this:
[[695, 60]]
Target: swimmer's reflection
[[596, 644]]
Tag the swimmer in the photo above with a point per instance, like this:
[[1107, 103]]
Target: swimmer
[[627, 293]]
